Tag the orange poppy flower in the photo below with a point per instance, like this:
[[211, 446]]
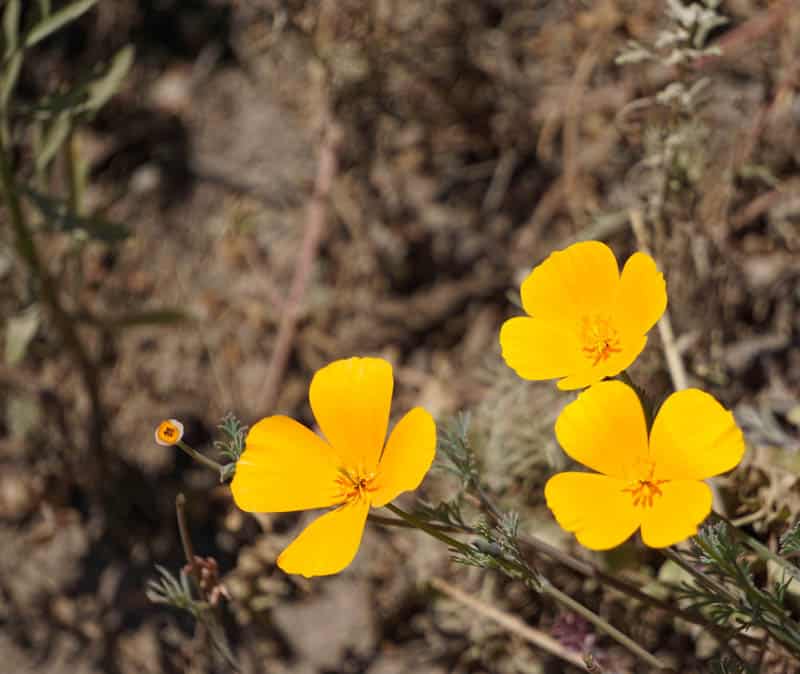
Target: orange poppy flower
[[287, 467], [654, 483], [586, 320]]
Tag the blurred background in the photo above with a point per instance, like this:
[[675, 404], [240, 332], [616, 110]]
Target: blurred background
[[293, 182]]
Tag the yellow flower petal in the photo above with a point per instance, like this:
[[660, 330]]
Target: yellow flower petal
[[329, 543], [593, 507], [675, 514], [284, 467], [642, 296], [694, 438], [539, 349], [604, 429], [407, 457], [571, 283], [351, 399]]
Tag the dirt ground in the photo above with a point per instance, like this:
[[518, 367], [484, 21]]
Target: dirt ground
[[471, 138]]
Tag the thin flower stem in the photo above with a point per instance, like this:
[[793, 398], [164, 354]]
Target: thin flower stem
[[552, 591], [416, 523], [540, 582], [186, 541], [200, 458], [677, 371], [701, 578], [395, 522], [73, 174]]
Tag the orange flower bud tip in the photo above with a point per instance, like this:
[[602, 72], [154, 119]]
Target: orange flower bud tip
[[169, 432]]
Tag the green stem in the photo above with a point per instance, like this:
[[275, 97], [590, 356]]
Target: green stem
[[395, 522], [201, 458], [597, 621], [540, 582], [416, 523], [73, 175], [701, 578], [186, 541]]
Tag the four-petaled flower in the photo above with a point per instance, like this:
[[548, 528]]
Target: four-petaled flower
[[586, 320], [654, 483], [286, 467]]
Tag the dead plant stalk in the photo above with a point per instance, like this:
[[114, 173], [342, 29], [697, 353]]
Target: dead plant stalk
[[312, 237]]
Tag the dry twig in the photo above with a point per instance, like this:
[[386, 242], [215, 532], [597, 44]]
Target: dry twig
[[511, 623], [312, 236], [674, 361]]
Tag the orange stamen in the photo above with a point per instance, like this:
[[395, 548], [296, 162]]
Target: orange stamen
[[354, 486], [644, 491], [600, 339]]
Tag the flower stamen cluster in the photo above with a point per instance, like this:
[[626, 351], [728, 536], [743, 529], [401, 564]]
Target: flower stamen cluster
[[600, 339], [356, 485], [644, 492]]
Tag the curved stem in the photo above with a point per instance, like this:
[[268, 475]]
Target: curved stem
[[200, 458]]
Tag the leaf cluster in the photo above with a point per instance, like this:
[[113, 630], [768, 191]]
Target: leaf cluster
[[496, 545], [177, 592], [47, 127], [684, 40], [790, 541], [676, 139], [172, 591], [232, 443], [727, 591], [51, 121]]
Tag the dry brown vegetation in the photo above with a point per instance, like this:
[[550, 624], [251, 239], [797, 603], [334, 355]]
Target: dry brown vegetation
[[313, 180]]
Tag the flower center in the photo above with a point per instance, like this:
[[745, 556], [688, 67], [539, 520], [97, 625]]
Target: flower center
[[354, 484], [599, 338], [644, 491]]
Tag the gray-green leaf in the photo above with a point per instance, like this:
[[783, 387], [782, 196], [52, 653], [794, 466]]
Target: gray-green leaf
[[55, 21], [20, 331], [10, 77], [53, 139], [10, 27], [44, 8], [104, 87]]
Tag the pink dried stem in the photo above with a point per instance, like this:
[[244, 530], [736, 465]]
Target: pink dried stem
[[312, 236]]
